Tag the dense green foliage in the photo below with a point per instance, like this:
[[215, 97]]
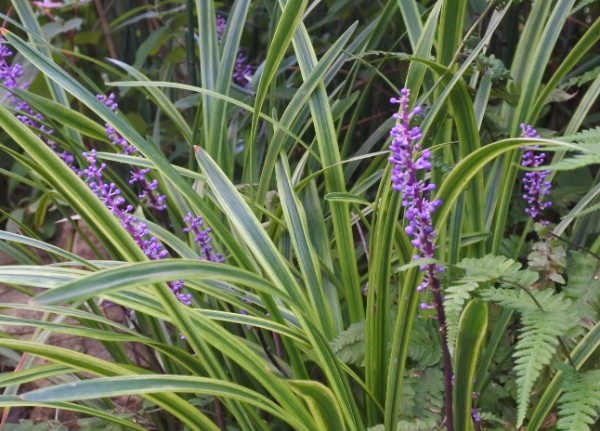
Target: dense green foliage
[[270, 120]]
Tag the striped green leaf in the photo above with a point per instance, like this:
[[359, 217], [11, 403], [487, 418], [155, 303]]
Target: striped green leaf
[[471, 334], [109, 387]]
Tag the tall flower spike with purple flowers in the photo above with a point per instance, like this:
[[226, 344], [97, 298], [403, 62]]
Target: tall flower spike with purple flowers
[[408, 165], [534, 182], [10, 75], [112, 198], [412, 166]]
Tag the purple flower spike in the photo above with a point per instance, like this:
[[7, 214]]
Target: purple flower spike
[[202, 237], [112, 198], [242, 71], [220, 24], [534, 182], [177, 287], [149, 195], [410, 177], [10, 77], [115, 138], [410, 163]]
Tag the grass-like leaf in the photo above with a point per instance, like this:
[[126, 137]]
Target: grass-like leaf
[[156, 384], [471, 333]]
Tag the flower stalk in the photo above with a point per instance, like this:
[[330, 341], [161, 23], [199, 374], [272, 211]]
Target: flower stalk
[[410, 177]]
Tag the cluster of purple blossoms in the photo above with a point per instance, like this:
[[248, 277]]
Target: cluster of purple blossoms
[[109, 193], [534, 182], [112, 198], [242, 71], [220, 24], [202, 237], [149, 194], [409, 162], [10, 77]]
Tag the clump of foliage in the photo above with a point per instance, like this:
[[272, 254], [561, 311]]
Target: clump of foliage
[[283, 249]]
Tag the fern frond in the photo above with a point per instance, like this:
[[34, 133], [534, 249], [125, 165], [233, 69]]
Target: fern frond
[[583, 287], [490, 418], [584, 78], [428, 388], [545, 316], [579, 406], [424, 347], [490, 266], [589, 155], [454, 301], [559, 95], [534, 350], [408, 399], [587, 136], [349, 345], [417, 424], [527, 302], [489, 269], [422, 395], [523, 279]]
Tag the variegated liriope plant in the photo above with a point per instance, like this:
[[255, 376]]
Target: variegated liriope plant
[[279, 264]]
